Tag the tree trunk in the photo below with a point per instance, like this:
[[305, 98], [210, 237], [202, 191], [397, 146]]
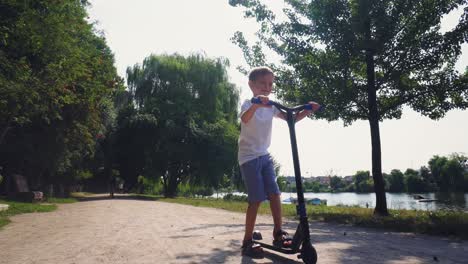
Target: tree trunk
[[7, 183], [50, 190], [112, 186], [110, 179], [171, 187], [61, 190], [379, 187], [4, 132]]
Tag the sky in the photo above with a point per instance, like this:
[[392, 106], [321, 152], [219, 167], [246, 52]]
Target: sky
[[136, 29]]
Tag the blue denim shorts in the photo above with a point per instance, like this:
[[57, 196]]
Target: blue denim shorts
[[259, 178]]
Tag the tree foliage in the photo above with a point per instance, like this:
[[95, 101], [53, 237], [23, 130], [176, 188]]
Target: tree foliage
[[362, 181], [57, 80], [449, 172], [336, 183], [396, 181]]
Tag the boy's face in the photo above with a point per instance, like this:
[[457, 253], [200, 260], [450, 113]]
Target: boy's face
[[262, 85]]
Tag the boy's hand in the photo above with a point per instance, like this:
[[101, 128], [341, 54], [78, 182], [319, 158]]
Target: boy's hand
[[264, 100], [314, 106]]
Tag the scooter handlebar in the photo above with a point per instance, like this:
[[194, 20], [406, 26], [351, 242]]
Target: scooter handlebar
[[256, 100]]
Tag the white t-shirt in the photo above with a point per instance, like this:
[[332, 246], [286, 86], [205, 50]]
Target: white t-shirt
[[255, 135]]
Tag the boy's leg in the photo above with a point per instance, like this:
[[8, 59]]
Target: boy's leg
[[251, 173], [274, 196], [275, 206], [256, 194], [249, 247], [271, 187], [280, 238], [250, 218]]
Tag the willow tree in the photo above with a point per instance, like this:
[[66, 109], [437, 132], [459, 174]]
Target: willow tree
[[195, 116], [364, 60]]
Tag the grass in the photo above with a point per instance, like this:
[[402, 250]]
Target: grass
[[446, 223], [60, 200], [4, 221], [21, 208], [80, 194]]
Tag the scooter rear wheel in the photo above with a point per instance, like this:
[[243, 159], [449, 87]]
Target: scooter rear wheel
[[308, 253]]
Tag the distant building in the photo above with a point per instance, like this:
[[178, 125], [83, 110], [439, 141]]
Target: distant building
[[324, 180], [292, 180], [348, 179]]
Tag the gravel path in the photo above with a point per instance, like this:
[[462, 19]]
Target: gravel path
[[136, 231]]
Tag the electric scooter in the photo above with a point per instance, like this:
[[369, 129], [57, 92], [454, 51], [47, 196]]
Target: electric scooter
[[301, 240]]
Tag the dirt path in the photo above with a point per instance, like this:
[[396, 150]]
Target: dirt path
[[136, 231]]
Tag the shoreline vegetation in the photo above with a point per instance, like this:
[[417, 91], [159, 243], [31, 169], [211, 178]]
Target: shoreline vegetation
[[453, 224]]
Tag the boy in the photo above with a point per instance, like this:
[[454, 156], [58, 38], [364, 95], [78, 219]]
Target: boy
[[255, 162]]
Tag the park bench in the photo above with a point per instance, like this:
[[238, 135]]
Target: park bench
[[22, 192]]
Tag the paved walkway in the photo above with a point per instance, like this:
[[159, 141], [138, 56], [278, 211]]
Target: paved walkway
[[135, 231]]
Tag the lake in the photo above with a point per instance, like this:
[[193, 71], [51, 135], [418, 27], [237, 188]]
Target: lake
[[458, 201], [452, 201]]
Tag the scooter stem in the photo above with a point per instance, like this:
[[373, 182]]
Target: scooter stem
[[300, 207]]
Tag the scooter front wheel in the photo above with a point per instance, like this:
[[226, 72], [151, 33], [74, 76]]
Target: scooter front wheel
[[308, 253]]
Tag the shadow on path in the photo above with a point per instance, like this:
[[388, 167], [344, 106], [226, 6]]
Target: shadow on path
[[234, 251]]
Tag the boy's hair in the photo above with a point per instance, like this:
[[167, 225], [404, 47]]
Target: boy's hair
[[259, 71]]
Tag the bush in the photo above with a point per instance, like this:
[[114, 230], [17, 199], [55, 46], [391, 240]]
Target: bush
[[187, 190], [233, 197], [150, 185]]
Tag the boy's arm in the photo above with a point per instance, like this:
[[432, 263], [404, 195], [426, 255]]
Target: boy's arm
[[281, 115], [247, 115], [303, 114], [306, 112]]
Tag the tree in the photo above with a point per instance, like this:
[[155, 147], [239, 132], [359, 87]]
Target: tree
[[57, 80], [364, 60], [366, 186], [428, 179], [276, 166], [362, 181], [336, 183], [396, 181], [453, 174], [314, 186], [282, 183], [195, 138], [436, 164], [414, 183], [465, 188], [448, 172], [411, 172], [135, 138]]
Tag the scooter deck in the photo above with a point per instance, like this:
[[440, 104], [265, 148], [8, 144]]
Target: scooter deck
[[282, 250]]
